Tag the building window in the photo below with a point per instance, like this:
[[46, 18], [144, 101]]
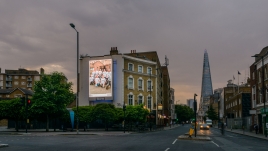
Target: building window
[[140, 69], [253, 77], [149, 102], [130, 83], [23, 83], [130, 99], [149, 85], [23, 77], [16, 77], [149, 70], [16, 83], [260, 96], [130, 67], [18, 95], [140, 99], [140, 81]]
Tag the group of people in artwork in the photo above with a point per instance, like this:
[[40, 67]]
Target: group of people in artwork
[[101, 78]]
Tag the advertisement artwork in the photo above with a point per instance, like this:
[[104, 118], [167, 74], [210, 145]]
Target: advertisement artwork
[[100, 78]]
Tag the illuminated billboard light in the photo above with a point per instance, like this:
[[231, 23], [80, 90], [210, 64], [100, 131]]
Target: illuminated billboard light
[[100, 78]]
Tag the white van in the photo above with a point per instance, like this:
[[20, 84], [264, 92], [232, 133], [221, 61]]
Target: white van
[[209, 122]]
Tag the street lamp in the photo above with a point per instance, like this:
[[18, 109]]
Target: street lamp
[[218, 110], [195, 107], [263, 92], [124, 109], [150, 107], [77, 93]]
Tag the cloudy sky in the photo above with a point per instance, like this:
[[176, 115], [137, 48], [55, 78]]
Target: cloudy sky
[[35, 34]]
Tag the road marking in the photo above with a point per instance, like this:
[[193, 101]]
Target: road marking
[[215, 143], [174, 141], [167, 149]]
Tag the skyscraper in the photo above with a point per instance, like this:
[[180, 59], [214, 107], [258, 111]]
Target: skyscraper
[[206, 89]]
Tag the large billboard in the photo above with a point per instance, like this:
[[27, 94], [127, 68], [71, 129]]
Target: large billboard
[[100, 78]]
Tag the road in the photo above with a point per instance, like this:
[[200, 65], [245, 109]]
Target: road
[[156, 141]]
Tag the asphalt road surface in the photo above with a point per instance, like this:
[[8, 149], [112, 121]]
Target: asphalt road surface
[[152, 141]]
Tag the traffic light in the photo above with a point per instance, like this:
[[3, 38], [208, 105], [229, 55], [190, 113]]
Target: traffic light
[[28, 102], [22, 101]]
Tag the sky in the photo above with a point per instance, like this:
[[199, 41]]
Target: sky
[[36, 34]]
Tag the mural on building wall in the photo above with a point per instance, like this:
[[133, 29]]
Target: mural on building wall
[[100, 78]]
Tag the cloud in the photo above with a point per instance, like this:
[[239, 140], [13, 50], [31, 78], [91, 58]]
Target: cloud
[[37, 34]]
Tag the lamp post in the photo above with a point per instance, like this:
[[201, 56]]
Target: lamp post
[[77, 93], [124, 109], [218, 110], [195, 107], [150, 99], [263, 91]]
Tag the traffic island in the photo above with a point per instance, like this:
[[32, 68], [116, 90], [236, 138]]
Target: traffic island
[[197, 138], [3, 145]]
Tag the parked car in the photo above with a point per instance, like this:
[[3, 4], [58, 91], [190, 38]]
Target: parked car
[[204, 127]]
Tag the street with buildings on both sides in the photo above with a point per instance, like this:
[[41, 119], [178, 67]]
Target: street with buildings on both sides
[[167, 139]]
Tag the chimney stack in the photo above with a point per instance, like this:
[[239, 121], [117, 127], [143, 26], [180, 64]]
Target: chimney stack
[[114, 51]]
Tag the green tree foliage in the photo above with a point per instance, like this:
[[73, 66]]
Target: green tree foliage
[[12, 110], [136, 113], [211, 114], [51, 96], [184, 113], [84, 114], [104, 112]]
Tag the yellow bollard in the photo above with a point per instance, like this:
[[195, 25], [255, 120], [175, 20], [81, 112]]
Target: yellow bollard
[[191, 131]]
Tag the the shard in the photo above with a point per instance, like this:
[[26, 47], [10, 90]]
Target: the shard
[[206, 90], [206, 78]]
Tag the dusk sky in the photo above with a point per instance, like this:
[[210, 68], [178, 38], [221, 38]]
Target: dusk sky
[[35, 34]]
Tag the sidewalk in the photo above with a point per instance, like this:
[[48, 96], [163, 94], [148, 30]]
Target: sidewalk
[[240, 131]]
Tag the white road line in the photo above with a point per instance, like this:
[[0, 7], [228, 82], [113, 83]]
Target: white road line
[[215, 143], [167, 149], [174, 141]]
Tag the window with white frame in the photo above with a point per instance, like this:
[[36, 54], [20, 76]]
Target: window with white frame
[[149, 70], [130, 83], [239, 101], [149, 85], [130, 67], [140, 68], [140, 99], [149, 102], [254, 92], [130, 99], [253, 77], [140, 84], [18, 95]]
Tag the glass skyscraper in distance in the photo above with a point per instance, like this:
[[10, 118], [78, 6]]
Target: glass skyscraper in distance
[[206, 88]]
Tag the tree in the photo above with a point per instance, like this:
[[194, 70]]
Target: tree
[[104, 112], [211, 114], [184, 113], [84, 114], [51, 96], [12, 110], [136, 114]]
